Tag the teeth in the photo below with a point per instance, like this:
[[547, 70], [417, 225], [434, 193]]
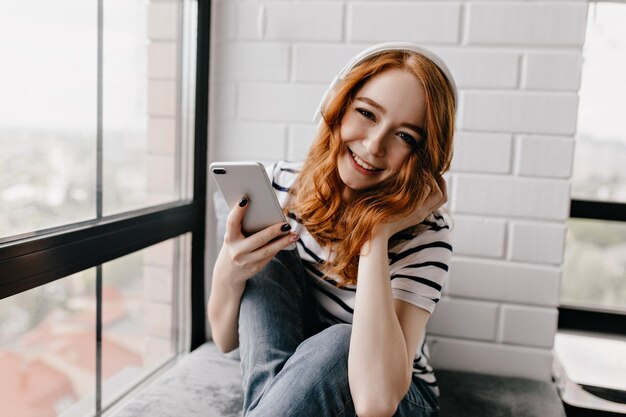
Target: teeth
[[362, 163]]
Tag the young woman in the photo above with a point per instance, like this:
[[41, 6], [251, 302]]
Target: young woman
[[336, 327]]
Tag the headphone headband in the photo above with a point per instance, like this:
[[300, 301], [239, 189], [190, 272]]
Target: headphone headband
[[382, 47]]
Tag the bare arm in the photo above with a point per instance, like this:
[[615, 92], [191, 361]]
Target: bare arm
[[379, 360], [239, 259], [385, 332]]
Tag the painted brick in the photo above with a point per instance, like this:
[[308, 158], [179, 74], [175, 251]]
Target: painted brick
[[278, 102], [505, 282], [447, 321], [224, 102], [248, 20], [490, 358], [162, 21], [320, 63], [478, 236], [523, 197], [525, 112], [482, 152], [162, 98], [299, 141], [527, 23], [552, 71], [419, 22], [157, 283], [545, 156], [162, 135], [252, 62], [476, 68], [529, 326], [225, 20], [162, 60], [537, 242], [239, 140], [298, 21]]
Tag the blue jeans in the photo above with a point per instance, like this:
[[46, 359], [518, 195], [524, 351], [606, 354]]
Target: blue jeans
[[292, 364]]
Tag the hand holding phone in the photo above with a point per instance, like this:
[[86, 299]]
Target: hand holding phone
[[256, 228], [238, 179]]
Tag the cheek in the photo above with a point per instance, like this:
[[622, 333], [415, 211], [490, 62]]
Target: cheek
[[399, 159], [351, 128]]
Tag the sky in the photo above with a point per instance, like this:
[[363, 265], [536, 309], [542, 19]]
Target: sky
[[48, 75]]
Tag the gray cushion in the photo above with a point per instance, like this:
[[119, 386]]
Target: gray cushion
[[470, 394], [205, 383], [208, 384]]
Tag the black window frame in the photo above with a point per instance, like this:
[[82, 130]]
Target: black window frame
[[596, 320], [42, 257]]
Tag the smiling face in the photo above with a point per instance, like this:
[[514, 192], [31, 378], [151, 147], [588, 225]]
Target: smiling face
[[380, 129]]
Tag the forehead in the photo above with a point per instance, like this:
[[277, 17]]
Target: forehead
[[399, 92]]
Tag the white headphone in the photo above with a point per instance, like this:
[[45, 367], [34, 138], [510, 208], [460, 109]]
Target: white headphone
[[376, 49]]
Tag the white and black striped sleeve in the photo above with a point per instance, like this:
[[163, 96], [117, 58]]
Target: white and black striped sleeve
[[419, 265]]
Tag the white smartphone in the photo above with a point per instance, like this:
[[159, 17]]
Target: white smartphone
[[238, 179]]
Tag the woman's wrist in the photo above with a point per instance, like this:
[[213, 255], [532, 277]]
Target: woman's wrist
[[380, 236]]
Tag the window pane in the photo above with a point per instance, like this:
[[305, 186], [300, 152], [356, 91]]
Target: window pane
[[48, 348], [141, 104], [47, 114], [139, 313], [594, 274], [599, 169]]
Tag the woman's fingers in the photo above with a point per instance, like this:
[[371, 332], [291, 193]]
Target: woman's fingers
[[233, 222], [261, 238], [443, 190], [252, 262], [266, 252]]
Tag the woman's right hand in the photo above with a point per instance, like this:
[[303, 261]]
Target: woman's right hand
[[241, 257]]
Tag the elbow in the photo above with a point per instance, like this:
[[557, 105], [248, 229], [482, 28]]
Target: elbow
[[374, 408], [222, 348], [379, 404], [223, 342]]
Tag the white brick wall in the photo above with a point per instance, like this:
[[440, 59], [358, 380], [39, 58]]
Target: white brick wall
[[517, 65]]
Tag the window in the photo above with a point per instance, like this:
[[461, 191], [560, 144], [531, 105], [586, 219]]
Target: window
[[590, 343], [593, 293], [103, 125]]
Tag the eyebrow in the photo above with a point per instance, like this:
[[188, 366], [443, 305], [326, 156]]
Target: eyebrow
[[380, 108]]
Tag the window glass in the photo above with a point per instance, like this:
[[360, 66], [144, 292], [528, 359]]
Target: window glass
[[594, 273], [48, 114], [140, 104], [48, 334], [599, 168], [140, 323], [47, 348]]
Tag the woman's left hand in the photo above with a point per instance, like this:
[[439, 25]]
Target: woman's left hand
[[432, 200]]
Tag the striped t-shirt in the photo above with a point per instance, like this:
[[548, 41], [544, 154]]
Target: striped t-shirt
[[418, 265]]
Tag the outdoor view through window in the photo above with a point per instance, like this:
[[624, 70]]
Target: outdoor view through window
[[49, 178], [595, 257]]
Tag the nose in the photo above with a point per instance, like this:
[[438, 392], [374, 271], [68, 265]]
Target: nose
[[375, 142]]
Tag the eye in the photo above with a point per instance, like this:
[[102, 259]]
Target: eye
[[410, 140], [366, 113]]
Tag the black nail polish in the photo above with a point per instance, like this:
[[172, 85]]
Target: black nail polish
[[243, 202], [285, 227]]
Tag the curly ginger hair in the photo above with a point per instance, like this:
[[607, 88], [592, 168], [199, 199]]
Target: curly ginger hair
[[344, 227]]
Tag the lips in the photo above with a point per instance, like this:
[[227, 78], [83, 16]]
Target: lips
[[361, 166]]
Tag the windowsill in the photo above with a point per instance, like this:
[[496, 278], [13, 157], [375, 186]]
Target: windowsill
[[596, 360]]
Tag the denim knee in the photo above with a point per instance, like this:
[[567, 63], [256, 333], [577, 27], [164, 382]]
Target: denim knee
[[328, 349]]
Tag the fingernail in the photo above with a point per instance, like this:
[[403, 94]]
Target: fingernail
[[294, 238], [285, 227], [243, 202]]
